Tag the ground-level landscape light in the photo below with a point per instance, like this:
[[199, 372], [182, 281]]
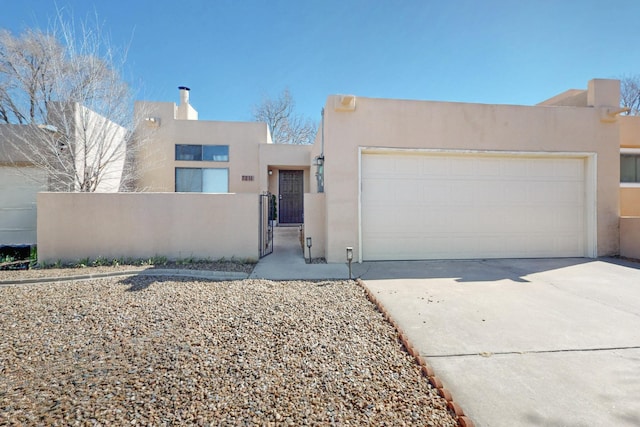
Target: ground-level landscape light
[[309, 246], [349, 258]]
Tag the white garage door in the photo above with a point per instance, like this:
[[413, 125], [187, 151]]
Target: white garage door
[[454, 206], [18, 204]]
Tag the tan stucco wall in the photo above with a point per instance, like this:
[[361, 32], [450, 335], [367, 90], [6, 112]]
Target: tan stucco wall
[[72, 226], [458, 126], [315, 221], [630, 236], [629, 138], [629, 131], [158, 141], [630, 201], [274, 157]]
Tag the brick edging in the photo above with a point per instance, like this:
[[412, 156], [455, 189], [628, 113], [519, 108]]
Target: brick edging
[[425, 368]]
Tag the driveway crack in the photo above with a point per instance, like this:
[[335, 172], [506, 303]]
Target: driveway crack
[[566, 350]]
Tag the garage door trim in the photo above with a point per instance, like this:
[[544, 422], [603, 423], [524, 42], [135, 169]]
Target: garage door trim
[[590, 179]]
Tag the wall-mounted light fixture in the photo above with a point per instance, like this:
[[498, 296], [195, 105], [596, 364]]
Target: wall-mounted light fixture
[[349, 258], [309, 246], [318, 162], [270, 172]]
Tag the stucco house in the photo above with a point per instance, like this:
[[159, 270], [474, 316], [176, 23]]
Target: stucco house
[[184, 154], [20, 181], [21, 178], [393, 179]]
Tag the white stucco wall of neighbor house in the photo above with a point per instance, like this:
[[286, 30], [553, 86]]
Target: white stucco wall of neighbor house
[[356, 124]]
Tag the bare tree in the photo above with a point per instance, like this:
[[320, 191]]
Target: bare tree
[[630, 93], [65, 88], [285, 126]]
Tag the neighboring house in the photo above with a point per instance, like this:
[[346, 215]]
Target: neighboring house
[[630, 166], [393, 179], [21, 179]]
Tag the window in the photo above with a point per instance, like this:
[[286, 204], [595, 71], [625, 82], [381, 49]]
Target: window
[[208, 153], [205, 180], [216, 153], [630, 168]]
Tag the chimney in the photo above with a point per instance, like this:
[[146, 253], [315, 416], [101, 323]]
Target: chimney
[[184, 111], [184, 95]]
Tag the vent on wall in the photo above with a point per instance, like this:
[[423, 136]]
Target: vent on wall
[[344, 103], [247, 177]]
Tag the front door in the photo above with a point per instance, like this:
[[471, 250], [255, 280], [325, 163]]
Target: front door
[[291, 188]]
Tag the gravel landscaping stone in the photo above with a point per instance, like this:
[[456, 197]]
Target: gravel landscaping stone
[[143, 350]]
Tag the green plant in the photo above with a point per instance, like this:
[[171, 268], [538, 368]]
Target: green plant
[[100, 261], [159, 260], [186, 261], [7, 258], [82, 263]]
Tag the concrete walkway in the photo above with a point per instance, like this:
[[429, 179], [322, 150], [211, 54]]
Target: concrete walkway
[[547, 342], [287, 261]]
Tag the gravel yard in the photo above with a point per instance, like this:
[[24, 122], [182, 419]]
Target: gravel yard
[[166, 351]]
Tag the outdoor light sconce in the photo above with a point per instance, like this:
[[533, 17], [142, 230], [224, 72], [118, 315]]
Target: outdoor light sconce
[[349, 258], [309, 246], [270, 172]]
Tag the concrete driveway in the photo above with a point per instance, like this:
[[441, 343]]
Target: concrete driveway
[[544, 342]]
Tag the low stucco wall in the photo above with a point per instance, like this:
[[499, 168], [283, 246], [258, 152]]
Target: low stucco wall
[[315, 222], [630, 236], [630, 201], [73, 226]]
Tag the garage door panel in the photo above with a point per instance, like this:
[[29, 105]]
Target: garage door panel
[[434, 167], [434, 194], [18, 192], [472, 206]]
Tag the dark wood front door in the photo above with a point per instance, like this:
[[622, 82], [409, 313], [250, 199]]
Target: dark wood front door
[[291, 188]]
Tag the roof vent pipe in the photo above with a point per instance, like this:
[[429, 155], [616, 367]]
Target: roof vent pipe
[[184, 95]]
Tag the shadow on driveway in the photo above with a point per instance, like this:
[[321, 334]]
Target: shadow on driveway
[[480, 270]]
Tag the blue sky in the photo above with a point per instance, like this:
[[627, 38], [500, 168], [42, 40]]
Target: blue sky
[[231, 53]]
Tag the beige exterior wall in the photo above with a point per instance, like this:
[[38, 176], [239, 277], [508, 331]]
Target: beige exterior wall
[[630, 193], [315, 221], [629, 131], [73, 226], [630, 237], [457, 126], [275, 157], [159, 137], [630, 202]]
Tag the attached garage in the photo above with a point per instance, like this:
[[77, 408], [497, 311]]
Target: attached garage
[[421, 204], [18, 204]]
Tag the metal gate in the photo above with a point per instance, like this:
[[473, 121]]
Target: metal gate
[[266, 228]]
